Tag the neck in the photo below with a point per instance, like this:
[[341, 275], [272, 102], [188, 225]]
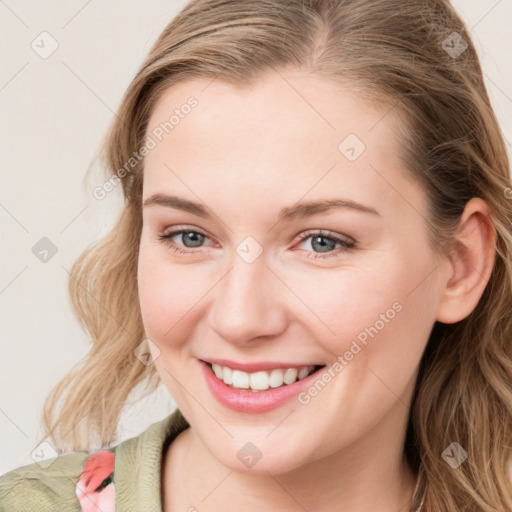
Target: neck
[[370, 474]]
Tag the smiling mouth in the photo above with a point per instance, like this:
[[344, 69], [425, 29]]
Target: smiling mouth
[[261, 380]]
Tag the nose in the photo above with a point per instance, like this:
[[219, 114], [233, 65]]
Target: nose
[[248, 303]]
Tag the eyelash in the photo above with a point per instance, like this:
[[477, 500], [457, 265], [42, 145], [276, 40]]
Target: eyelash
[[345, 245]]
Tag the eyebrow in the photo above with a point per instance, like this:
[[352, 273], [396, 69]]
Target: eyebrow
[[297, 211]]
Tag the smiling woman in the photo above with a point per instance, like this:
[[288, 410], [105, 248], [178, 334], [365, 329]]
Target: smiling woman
[[316, 261]]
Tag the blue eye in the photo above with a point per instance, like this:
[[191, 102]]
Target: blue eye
[[167, 238], [319, 238]]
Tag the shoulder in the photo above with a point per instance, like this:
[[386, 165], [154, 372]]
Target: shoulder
[[48, 485], [52, 484]]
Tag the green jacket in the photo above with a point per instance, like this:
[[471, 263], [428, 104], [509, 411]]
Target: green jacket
[[136, 475]]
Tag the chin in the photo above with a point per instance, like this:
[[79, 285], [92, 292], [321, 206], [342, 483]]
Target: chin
[[247, 458]]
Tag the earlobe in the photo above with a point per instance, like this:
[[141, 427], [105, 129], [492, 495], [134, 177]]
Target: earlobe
[[470, 263]]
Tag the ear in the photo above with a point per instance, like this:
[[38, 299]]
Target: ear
[[469, 264]]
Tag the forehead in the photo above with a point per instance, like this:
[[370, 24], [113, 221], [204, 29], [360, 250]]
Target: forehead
[[290, 132]]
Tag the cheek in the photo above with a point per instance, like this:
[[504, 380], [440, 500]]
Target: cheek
[[384, 307], [167, 295], [337, 306], [172, 296]]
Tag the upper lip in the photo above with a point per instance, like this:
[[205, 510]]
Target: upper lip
[[257, 366]]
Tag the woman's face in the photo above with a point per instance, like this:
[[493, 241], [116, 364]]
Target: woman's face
[[306, 245]]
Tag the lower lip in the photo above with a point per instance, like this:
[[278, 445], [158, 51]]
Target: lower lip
[[241, 400]]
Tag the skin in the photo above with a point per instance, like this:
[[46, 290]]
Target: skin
[[245, 153], [95, 501]]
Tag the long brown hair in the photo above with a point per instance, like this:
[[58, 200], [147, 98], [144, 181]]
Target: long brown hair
[[418, 58]]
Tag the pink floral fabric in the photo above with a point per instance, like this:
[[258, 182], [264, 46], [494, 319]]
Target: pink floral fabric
[[95, 488]]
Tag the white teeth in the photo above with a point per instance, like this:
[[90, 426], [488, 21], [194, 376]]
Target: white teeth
[[262, 380], [227, 375], [290, 375], [303, 372], [276, 378], [217, 369], [259, 380], [240, 379]]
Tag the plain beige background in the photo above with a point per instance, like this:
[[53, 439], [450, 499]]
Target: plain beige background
[[54, 111]]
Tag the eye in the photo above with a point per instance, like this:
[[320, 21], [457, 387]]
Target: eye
[[194, 238], [325, 242]]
